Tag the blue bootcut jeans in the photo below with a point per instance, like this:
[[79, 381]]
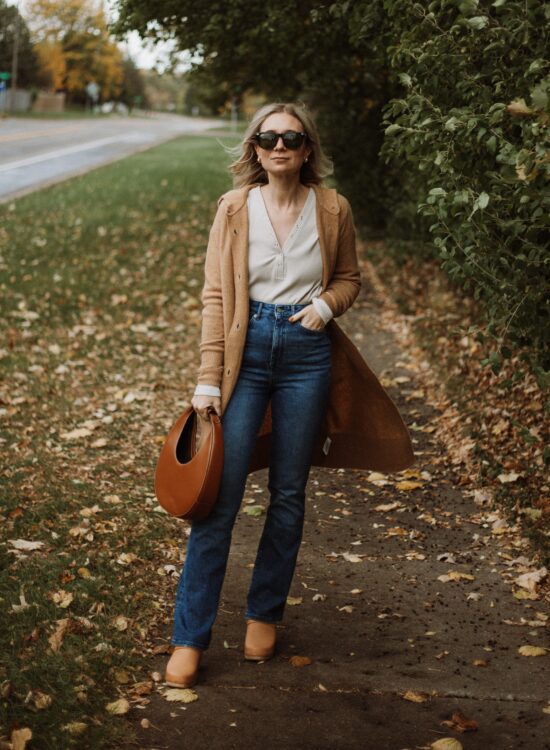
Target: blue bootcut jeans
[[290, 365]]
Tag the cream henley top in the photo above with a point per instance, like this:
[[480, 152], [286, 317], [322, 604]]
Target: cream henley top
[[291, 274]]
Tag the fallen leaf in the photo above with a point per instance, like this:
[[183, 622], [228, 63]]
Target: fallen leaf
[[62, 598], [119, 707], [145, 723], [20, 737], [408, 485], [254, 510], [461, 723], [532, 651], [480, 663], [294, 600], [414, 697], [346, 608], [455, 575], [181, 695], [446, 743], [80, 432], [22, 606], [41, 700], [24, 544], [300, 661], [352, 558], [387, 507], [529, 580]]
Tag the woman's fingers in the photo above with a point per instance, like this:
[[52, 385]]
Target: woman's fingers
[[203, 404], [310, 318]]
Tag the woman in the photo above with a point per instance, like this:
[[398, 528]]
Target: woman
[[280, 264]]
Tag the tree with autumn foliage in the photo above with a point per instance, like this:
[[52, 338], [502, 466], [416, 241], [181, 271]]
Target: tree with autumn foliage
[[74, 47]]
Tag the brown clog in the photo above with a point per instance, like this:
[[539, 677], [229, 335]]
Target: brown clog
[[259, 644], [183, 667]]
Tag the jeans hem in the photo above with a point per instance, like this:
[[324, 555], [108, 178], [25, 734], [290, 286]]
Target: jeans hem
[[270, 620], [190, 643]]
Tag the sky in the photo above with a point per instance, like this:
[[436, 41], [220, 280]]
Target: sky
[[144, 54]]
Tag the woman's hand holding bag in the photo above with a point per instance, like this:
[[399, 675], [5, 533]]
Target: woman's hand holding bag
[[187, 476]]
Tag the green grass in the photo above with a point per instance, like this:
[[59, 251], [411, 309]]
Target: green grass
[[99, 284]]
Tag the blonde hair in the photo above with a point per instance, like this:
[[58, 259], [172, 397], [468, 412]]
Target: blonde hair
[[246, 168]]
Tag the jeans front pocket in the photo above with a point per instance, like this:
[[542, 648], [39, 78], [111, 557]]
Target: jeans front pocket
[[315, 332]]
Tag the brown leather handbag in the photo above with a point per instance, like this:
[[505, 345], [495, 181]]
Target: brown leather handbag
[[187, 478]]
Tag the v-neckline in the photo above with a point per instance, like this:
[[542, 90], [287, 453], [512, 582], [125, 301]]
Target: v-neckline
[[298, 221]]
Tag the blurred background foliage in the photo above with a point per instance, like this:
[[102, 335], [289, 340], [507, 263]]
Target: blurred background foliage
[[436, 115]]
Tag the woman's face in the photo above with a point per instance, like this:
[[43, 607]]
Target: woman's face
[[282, 160]]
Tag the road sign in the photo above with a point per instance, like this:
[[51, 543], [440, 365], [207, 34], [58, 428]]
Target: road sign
[[5, 76]]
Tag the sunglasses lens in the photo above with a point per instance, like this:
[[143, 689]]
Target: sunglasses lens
[[267, 140], [291, 139]]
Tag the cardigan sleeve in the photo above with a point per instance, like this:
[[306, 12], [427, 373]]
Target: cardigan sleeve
[[345, 282], [212, 332]]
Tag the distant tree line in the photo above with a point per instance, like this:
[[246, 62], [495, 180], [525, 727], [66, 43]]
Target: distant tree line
[[65, 44]]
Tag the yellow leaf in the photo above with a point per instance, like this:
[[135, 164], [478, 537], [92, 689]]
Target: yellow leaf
[[446, 743], [300, 661], [84, 573], [294, 600], [42, 700], [62, 598], [122, 676], [532, 651], [119, 707], [182, 695], [121, 623], [456, 575], [480, 663], [414, 697], [524, 594], [407, 484]]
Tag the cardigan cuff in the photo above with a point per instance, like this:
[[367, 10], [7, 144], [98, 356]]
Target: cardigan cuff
[[322, 309], [208, 390]]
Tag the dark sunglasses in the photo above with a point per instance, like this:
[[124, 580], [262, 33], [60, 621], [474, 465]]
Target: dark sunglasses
[[268, 139]]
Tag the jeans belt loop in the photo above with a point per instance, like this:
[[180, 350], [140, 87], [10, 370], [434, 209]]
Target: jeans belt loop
[[259, 313]]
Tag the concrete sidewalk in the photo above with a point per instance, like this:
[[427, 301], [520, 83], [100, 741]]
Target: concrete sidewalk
[[395, 650]]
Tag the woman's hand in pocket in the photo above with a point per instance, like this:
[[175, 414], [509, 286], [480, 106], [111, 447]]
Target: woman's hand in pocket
[[309, 318]]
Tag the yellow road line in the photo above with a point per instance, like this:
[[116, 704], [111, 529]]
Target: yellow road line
[[38, 133]]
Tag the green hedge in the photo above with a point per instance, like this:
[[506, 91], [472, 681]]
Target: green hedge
[[470, 131]]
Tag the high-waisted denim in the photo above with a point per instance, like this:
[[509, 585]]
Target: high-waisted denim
[[289, 365]]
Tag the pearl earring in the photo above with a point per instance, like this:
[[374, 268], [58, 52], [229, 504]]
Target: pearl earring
[[305, 159]]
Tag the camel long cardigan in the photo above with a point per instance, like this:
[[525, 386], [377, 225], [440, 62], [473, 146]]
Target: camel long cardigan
[[363, 428]]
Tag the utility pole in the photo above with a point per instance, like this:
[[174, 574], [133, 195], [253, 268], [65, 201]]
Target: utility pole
[[14, 60]]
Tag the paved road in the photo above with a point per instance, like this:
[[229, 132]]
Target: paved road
[[35, 153]]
